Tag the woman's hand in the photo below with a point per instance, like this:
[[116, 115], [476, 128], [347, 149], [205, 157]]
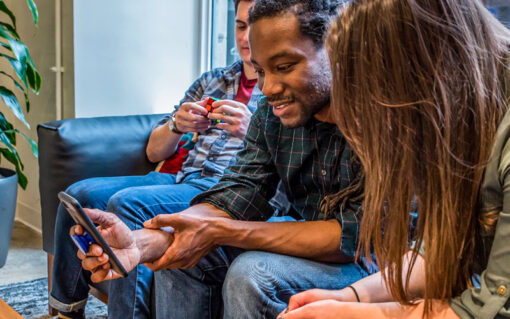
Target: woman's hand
[[313, 295], [325, 309]]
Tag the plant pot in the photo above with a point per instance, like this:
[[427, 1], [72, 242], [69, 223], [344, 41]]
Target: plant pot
[[8, 194]]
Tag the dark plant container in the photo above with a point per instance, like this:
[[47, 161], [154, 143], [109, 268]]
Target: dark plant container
[[8, 194]]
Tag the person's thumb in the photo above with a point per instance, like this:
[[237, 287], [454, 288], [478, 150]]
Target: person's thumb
[[160, 221]]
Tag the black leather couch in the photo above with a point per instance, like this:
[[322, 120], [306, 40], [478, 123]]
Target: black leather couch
[[75, 149]]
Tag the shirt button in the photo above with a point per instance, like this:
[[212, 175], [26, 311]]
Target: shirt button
[[323, 172], [210, 158], [501, 290], [223, 136]]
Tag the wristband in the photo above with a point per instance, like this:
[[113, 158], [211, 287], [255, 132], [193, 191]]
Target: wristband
[[355, 292]]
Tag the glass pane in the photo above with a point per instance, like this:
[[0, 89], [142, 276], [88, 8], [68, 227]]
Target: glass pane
[[223, 46]]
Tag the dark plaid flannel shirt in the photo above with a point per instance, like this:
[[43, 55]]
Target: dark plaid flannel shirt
[[273, 152]]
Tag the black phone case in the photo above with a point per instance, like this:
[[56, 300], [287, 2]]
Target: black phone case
[[74, 209]]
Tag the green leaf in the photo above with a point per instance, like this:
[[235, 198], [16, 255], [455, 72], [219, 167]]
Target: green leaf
[[34, 78], [5, 45], [20, 52], [5, 140], [4, 9], [9, 28], [12, 102], [33, 145], [12, 156], [18, 67], [7, 127], [27, 101], [22, 179], [33, 9]]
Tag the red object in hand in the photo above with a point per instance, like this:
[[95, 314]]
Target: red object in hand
[[173, 164], [209, 103]]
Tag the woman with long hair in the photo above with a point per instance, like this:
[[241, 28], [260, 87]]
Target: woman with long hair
[[420, 91]]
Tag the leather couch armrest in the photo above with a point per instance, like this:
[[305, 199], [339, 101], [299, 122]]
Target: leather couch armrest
[[75, 149]]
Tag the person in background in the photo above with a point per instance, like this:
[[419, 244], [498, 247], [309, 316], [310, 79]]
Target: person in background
[[431, 81], [156, 192]]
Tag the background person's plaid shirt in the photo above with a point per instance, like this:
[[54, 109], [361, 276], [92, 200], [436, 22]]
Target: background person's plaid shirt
[[215, 149], [273, 152]]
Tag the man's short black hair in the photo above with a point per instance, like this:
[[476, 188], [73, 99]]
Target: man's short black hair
[[313, 15], [236, 3]]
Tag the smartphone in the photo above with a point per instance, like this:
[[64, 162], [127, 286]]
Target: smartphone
[[91, 235]]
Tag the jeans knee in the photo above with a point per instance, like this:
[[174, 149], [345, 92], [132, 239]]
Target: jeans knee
[[82, 191], [129, 205], [250, 277]]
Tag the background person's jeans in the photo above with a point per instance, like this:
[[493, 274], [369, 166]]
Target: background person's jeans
[[134, 199], [252, 284]]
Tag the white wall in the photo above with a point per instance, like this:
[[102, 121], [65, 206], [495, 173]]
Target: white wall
[[134, 57]]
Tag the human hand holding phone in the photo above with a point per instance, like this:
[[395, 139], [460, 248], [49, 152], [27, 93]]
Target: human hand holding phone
[[121, 241]]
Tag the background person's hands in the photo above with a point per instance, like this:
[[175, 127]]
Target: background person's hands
[[237, 117], [121, 241], [192, 117]]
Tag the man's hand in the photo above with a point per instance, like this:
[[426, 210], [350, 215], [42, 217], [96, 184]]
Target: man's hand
[[118, 236], [192, 117], [237, 117], [194, 235]]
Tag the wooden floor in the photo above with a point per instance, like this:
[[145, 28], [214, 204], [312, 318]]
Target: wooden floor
[[7, 312]]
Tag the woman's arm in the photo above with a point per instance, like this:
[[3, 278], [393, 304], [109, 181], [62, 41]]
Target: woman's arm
[[330, 309], [371, 289]]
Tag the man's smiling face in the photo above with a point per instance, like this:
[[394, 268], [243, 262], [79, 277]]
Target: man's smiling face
[[292, 72]]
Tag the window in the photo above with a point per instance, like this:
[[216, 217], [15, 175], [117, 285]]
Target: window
[[223, 43]]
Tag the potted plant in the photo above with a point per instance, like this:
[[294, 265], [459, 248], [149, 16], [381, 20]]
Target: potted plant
[[20, 75]]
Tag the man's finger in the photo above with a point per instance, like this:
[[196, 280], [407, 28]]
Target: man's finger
[[222, 117], [190, 118], [100, 217], [80, 255], [195, 108], [91, 263], [231, 103], [170, 259], [95, 251], [232, 111], [103, 274], [76, 230], [161, 221]]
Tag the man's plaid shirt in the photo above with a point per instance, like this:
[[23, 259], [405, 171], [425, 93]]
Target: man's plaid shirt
[[273, 152]]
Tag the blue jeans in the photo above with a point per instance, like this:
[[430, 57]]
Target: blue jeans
[[251, 284], [134, 199]]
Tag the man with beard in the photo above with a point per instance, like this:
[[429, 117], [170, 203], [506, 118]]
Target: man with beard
[[222, 246]]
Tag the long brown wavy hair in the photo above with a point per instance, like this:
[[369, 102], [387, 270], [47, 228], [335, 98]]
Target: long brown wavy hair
[[418, 91]]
